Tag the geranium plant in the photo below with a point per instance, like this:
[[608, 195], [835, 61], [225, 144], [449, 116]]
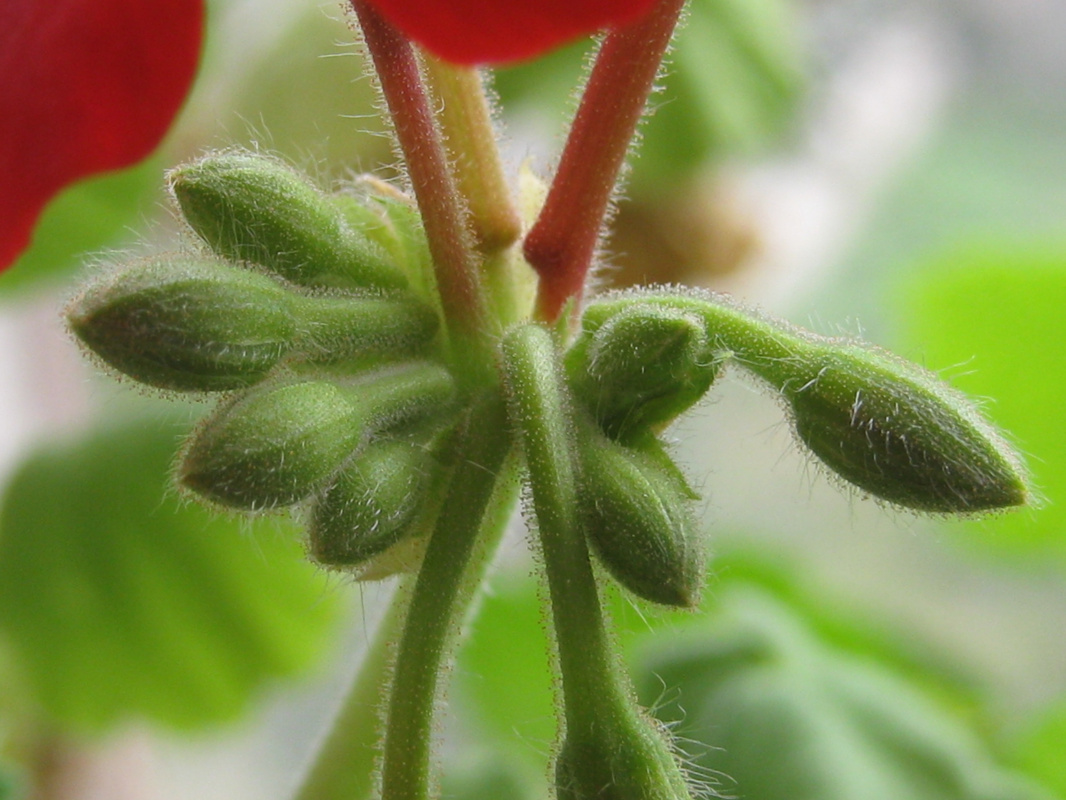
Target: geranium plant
[[399, 366]]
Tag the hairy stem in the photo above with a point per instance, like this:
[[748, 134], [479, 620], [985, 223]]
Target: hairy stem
[[466, 122], [592, 684], [439, 201], [563, 241], [442, 592]]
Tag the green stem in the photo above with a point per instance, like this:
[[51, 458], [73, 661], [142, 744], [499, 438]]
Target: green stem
[[441, 205], [593, 685], [563, 241], [443, 590], [344, 766], [465, 120]]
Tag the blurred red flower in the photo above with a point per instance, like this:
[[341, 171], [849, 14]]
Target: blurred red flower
[[85, 86], [498, 31]]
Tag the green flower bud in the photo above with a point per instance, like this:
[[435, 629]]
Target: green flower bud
[[627, 759], [252, 208], [281, 443], [895, 430], [272, 447], [186, 324], [635, 509], [641, 368], [883, 424], [374, 503]]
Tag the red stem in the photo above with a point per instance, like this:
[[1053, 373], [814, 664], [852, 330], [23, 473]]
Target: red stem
[[441, 205], [562, 243]]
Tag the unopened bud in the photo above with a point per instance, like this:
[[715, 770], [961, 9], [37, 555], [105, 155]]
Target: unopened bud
[[636, 512], [895, 430], [279, 444], [888, 426], [641, 368], [373, 503], [252, 208], [272, 447], [186, 324]]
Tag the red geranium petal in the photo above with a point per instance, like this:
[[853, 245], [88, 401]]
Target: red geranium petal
[[85, 86], [498, 31]]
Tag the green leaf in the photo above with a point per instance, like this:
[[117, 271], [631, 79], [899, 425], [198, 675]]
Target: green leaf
[[1039, 751], [504, 669], [756, 682], [991, 316], [11, 786], [121, 601], [91, 215]]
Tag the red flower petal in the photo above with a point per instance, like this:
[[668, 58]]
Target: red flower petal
[[85, 86], [496, 31]]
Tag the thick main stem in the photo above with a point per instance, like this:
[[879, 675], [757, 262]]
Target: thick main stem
[[593, 688], [436, 604], [562, 242], [439, 201]]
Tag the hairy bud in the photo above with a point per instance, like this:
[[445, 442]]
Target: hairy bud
[[888, 426], [641, 368], [280, 443], [636, 511], [374, 503], [187, 324], [252, 208], [895, 430], [191, 324], [272, 447]]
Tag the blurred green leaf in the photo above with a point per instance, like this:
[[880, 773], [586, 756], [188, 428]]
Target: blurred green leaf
[[91, 215], [754, 696], [504, 669], [1041, 751], [502, 665], [11, 787], [485, 775], [991, 317], [735, 73], [120, 600]]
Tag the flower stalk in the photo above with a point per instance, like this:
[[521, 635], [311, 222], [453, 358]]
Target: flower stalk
[[443, 209], [562, 243], [465, 119], [437, 602]]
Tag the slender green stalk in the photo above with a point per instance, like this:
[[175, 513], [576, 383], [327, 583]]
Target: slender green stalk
[[465, 119], [437, 602], [562, 242], [441, 205], [344, 766], [610, 749], [592, 683]]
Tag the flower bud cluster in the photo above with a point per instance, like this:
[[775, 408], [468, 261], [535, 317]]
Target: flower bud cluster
[[632, 373], [884, 425], [299, 311]]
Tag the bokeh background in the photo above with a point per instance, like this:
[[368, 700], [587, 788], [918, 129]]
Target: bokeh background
[[895, 170]]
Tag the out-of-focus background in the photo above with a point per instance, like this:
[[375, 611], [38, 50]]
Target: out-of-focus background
[[895, 170]]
